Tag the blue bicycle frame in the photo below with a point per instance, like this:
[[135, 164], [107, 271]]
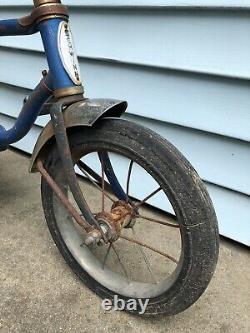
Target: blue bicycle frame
[[63, 83], [57, 82]]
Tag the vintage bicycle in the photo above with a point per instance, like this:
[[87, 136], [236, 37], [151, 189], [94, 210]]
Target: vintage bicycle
[[101, 175]]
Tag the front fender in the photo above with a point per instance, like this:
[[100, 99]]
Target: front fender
[[84, 113]]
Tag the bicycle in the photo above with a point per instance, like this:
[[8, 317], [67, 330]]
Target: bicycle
[[98, 219]]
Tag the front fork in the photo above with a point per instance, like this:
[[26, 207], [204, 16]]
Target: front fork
[[88, 221], [67, 88], [66, 158]]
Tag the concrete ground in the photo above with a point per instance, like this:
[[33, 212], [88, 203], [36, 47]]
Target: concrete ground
[[39, 293]]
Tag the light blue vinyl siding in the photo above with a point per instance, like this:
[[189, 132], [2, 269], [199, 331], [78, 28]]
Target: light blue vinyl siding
[[184, 69]]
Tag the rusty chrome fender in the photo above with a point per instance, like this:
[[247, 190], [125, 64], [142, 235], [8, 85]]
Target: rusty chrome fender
[[84, 113]]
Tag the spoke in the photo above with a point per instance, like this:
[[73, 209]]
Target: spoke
[[129, 177], [94, 183], [106, 255], [150, 248], [148, 197], [119, 259], [145, 259], [172, 225]]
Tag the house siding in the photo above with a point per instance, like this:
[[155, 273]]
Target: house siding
[[184, 70]]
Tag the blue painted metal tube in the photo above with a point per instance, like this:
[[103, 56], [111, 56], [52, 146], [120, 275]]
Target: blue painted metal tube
[[28, 114], [49, 30], [114, 182], [13, 28]]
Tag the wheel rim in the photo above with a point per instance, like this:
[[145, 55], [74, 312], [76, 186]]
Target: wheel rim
[[97, 261]]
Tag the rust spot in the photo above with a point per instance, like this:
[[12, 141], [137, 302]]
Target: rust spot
[[119, 217]]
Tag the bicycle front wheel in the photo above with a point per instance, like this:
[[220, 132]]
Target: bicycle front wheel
[[168, 255]]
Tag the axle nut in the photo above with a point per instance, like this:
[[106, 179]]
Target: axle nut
[[93, 238]]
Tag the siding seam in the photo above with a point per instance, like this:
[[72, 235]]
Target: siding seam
[[142, 65]]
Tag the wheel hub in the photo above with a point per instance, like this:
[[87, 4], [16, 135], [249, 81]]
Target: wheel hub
[[121, 216]]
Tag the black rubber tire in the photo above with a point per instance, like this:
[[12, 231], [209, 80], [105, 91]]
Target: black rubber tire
[[186, 191]]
